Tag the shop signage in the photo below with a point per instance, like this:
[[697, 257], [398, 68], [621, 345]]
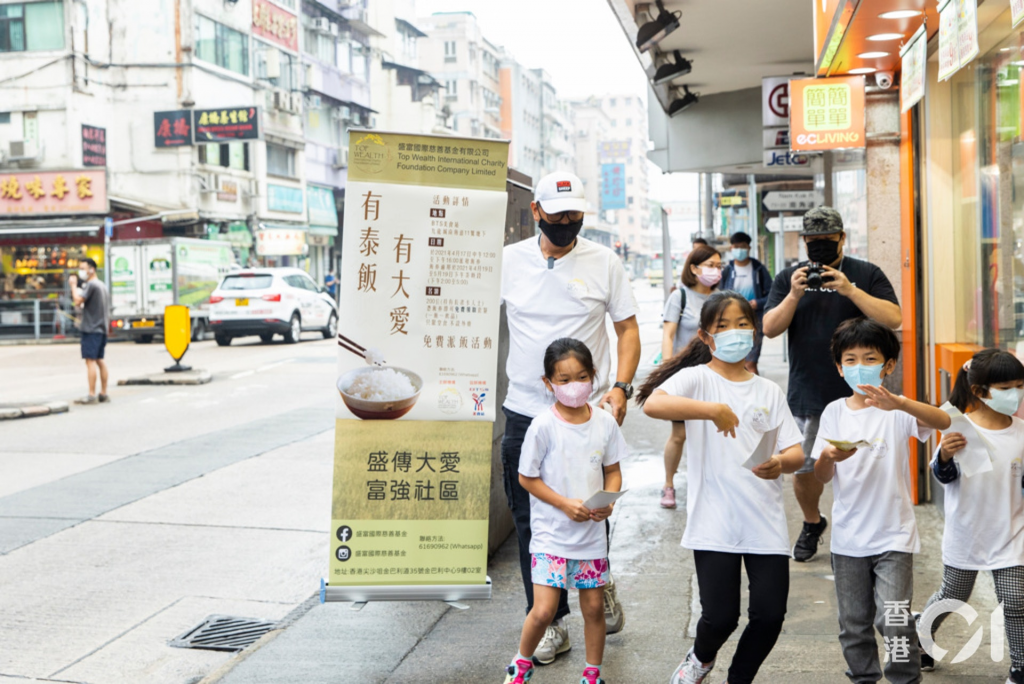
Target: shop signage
[[774, 159], [967, 30], [322, 210], [788, 224], [172, 129], [610, 150], [914, 64], [1017, 10], [284, 198], [613, 186], [958, 35], [827, 113], [53, 192], [227, 190], [275, 24], [420, 289], [736, 200], [94, 146], [775, 101], [234, 123], [776, 138], [791, 200], [280, 241]]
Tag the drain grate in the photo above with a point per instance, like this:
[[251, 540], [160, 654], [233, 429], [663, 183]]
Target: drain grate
[[223, 633]]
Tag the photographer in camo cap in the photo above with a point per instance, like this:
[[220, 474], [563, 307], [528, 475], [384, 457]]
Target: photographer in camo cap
[[849, 288]]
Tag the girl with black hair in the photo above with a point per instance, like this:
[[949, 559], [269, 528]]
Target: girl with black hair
[[570, 453], [985, 512], [735, 516]]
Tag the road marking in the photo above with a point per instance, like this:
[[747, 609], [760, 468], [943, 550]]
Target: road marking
[[272, 365], [243, 374]]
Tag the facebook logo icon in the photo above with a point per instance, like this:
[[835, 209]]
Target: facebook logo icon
[[344, 533]]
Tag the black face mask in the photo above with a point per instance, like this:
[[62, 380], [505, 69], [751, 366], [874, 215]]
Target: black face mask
[[823, 251], [561, 234]]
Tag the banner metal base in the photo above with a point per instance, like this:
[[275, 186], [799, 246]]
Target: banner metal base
[[451, 594]]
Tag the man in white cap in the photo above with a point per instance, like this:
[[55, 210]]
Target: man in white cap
[[561, 285]]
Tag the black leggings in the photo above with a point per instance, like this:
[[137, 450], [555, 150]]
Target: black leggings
[[718, 576]]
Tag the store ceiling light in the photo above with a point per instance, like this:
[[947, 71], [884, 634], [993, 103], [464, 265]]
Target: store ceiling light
[[873, 55], [683, 103], [669, 71], [862, 70], [885, 36], [653, 32], [900, 14]]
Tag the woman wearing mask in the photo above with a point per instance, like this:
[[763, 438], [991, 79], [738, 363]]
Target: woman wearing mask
[[702, 273]]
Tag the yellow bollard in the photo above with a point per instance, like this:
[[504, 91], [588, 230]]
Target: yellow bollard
[[177, 335]]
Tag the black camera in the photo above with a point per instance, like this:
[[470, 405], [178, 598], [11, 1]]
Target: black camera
[[814, 273]]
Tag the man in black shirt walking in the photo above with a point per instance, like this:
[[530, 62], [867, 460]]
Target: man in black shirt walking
[[849, 288]]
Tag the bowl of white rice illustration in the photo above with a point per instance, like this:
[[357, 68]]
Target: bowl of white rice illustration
[[380, 392]]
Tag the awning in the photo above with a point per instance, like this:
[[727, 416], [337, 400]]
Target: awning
[[410, 28], [331, 231], [51, 227]]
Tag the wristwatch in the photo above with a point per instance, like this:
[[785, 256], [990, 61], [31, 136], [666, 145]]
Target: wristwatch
[[626, 388]]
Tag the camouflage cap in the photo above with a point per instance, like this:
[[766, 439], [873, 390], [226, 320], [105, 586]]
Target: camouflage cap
[[822, 221]]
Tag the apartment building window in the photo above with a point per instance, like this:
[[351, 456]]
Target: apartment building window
[[611, 102], [629, 122], [32, 26], [451, 89], [449, 51], [223, 46], [228, 155], [614, 123], [629, 180], [5, 117], [629, 200], [322, 46], [276, 67], [472, 53], [280, 160]]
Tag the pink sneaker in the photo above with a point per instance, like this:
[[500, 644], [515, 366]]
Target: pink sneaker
[[668, 497], [519, 673], [592, 675]]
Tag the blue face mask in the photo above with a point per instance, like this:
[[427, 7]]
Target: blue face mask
[[1005, 401], [740, 254], [733, 345], [863, 375]]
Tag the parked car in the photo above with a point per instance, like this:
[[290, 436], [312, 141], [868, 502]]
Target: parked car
[[269, 301]]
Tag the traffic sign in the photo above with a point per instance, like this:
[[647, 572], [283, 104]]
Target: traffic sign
[[108, 226], [799, 200], [789, 224]]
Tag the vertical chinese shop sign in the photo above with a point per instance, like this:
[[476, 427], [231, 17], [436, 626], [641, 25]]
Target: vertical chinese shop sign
[[420, 297]]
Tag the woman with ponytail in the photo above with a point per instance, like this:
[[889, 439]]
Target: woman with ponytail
[[984, 522], [701, 274], [735, 514]]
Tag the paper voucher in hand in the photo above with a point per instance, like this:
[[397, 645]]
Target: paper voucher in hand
[[764, 450], [976, 457], [603, 499], [846, 445]]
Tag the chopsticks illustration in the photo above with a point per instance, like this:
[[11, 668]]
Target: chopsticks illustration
[[351, 346]]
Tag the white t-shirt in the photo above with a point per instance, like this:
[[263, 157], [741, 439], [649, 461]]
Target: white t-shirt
[[985, 512], [570, 459], [568, 300], [728, 508], [743, 281], [872, 509]]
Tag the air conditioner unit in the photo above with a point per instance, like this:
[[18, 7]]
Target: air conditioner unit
[[23, 149], [307, 76], [272, 56], [282, 99], [340, 158], [296, 98], [322, 25], [346, 112], [334, 29], [315, 102], [207, 183]]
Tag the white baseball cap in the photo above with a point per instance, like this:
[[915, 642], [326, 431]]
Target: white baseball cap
[[558, 192]]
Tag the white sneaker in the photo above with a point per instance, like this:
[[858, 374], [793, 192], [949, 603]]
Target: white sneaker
[[614, 617], [554, 643], [691, 670]]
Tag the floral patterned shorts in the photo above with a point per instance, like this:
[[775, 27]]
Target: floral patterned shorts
[[553, 571]]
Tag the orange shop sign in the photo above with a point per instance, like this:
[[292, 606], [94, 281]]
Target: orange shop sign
[[826, 113], [53, 192], [275, 24]]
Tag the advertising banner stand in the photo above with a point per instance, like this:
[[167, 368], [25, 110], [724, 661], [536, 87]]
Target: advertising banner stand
[[420, 293]]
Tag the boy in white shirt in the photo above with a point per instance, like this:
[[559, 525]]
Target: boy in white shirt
[[875, 534]]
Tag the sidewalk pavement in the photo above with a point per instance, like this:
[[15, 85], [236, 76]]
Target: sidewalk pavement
[[401, 643]]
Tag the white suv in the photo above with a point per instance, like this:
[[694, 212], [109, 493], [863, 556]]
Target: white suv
[[265, 301]]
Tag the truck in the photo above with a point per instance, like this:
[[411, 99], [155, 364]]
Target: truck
[[148, 275]]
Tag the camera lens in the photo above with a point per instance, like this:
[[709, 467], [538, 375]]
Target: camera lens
[[814, 280]]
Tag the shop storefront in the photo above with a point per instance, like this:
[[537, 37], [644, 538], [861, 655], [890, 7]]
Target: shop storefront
[[279, 245], [323, 229]]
